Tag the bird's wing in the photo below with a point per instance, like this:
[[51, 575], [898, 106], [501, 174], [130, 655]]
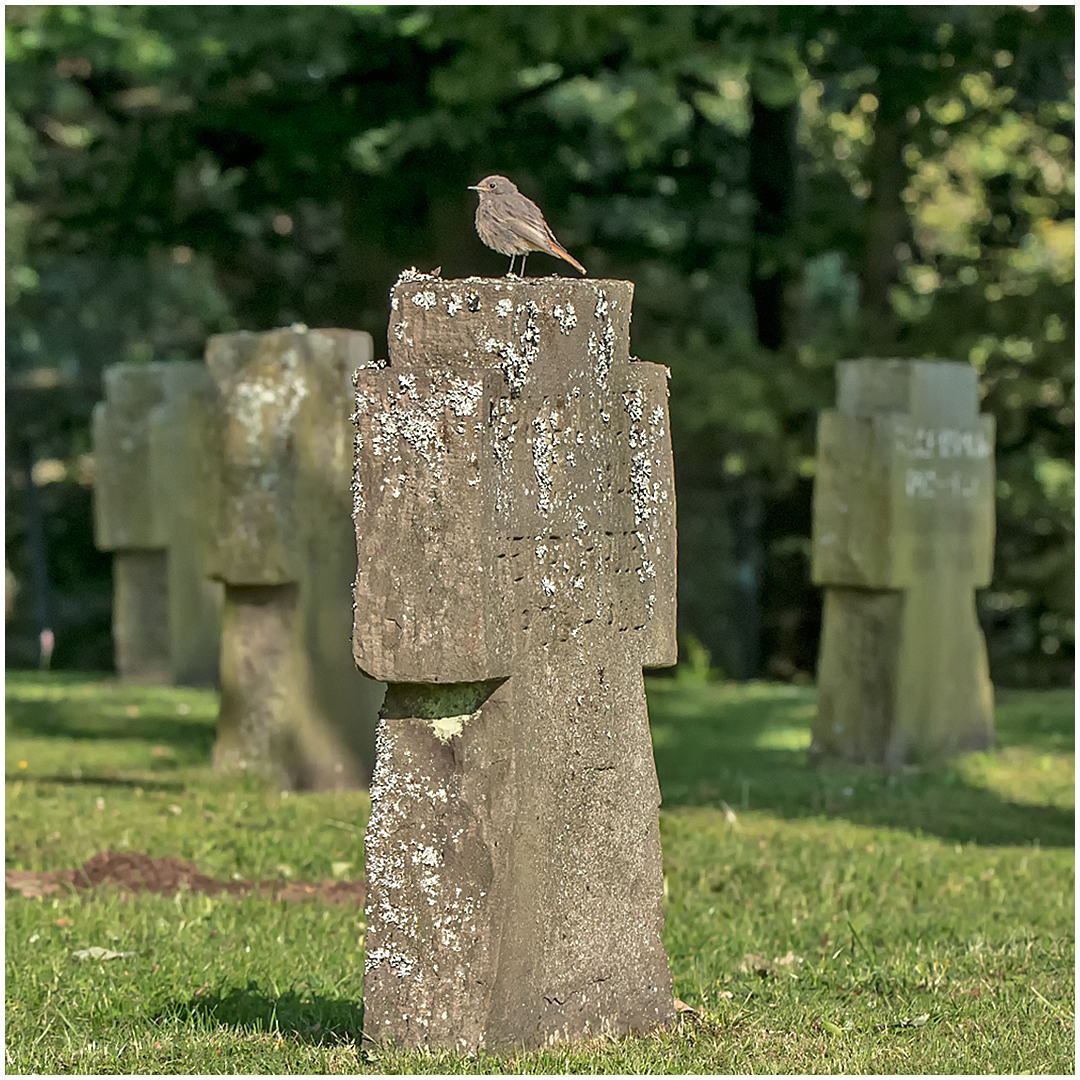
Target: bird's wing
[[528, 223]]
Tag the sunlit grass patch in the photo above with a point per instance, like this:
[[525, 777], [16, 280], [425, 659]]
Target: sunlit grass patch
[[836, 921]]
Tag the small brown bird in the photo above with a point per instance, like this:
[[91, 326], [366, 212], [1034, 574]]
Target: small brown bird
[[513, 225]]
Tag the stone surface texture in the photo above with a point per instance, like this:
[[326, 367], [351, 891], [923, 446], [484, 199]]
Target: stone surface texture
[[150, 496], [903, 535], [514, 507], [280, 538]]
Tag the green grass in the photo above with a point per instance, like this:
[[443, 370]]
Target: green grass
[[832, 921]]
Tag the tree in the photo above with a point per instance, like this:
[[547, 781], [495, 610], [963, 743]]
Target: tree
[[777, 183]]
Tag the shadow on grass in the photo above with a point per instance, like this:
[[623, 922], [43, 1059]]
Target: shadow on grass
[[745, 745], [307, 1016], [83, 707], [98, 780]]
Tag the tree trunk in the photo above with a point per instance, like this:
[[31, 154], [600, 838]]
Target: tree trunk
[[887, 227], [772, 182]]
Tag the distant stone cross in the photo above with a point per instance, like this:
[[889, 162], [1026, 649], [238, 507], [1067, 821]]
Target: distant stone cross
[[150, 497], [293, 705], [903, 535], [514, 508]]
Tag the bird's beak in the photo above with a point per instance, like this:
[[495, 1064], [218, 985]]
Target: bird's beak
[[474, 187]]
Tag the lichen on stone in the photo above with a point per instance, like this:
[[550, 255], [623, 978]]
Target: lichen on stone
[[565, 316]]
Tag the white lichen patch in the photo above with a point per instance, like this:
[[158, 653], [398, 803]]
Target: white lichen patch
[[502, 448], [357, 485], [543, 455], [566, 317], [264, 406], [518, 357], [463, 396], [504, 307], [454, 304], [411, 420], [601, 346], [413, 424], [426, 299], [635, 405], [645, 493], [413, 275]]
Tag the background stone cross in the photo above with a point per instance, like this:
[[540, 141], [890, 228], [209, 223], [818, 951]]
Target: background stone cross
[[903, 535], [150, 500], [293, 705]]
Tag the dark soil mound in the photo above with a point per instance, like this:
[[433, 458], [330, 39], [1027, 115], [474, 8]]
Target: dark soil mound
[[132, 872]]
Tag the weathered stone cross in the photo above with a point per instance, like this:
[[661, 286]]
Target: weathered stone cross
[[514, 508]]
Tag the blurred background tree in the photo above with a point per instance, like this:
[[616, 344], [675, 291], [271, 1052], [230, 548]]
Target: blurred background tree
[[786, 187]]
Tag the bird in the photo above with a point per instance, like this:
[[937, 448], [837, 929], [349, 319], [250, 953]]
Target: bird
[[512, 225]]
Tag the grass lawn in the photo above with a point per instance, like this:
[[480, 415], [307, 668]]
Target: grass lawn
[[818, 922]]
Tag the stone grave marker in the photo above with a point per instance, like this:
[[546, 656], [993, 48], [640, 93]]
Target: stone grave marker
[[293, 705], [903, 534], [514, 508], [150, 493]]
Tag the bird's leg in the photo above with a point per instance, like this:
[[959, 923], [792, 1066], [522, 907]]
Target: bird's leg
[[523, 264], [510, 272]]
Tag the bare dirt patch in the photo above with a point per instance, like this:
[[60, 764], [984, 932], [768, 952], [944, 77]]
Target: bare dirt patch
[[133, 872]]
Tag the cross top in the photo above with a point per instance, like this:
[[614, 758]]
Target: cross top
[[517, 464]]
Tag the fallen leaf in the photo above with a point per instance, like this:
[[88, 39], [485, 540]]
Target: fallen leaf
[[29, 883], [96, 952], [682, 1007], [914, 1021]]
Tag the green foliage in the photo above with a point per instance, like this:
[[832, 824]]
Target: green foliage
[[816, 921], [175, 171]]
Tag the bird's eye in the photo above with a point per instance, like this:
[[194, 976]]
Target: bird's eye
[[492, 186]]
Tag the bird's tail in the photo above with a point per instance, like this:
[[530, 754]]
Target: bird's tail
[[557, 249]]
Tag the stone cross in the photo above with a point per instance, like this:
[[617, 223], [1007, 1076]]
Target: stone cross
[[149, 496], [293, 704], [903, 535], [514, 508]]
